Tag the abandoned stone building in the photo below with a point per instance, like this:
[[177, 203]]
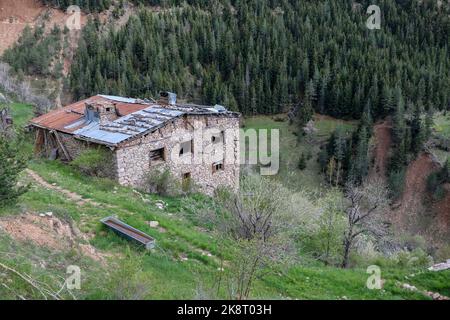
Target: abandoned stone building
[[195, 143]]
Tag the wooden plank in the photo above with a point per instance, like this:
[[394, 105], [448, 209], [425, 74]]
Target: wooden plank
[[66, 154]]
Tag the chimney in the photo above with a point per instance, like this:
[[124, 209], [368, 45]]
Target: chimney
[[100, 111], [166, 97]]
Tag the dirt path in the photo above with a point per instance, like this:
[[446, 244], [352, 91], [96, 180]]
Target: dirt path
[[383, 140], [69, 194]]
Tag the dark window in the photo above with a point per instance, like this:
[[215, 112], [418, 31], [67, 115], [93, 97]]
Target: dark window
[[157, 155], [217, 167], [186, 147], [218, 138]]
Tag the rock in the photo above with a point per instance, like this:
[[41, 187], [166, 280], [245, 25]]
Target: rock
[[153, 224], [49, 213], [440, 266], [409, 287], [41, 214], [160, 204]]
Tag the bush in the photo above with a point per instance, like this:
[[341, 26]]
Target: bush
[[12, 162], [162, 183], [94, 162], [302, 162], [416, 258], [436, 180], [443, 253], [396, 182]]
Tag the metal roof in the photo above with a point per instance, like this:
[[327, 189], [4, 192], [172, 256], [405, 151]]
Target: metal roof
[[135, 117], [129, 126], [118, 99]]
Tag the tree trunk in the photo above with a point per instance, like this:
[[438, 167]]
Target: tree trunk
[[347, 245]]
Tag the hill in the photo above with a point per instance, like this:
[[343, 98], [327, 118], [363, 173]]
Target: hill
[[57, 224]]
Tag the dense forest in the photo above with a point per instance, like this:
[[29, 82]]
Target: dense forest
[[86, 5], [35, 53], [261, 56]]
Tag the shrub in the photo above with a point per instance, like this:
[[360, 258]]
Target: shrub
[[416, 258], [302, 162], [162, 183], [436, 180], [396, 182], [94, 162], [12, 162], [443, 253]]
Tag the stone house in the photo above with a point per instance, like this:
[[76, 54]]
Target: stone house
[[195, 143]]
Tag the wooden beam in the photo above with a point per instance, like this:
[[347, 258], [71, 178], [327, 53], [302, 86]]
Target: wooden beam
[[66, 154]]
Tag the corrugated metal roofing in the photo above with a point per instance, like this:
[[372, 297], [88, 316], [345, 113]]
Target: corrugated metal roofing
[[124, 128], [135, 117], [118, 99]]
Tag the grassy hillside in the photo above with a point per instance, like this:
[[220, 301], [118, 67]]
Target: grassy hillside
[[177, 268], [442, 124], [291, 148], [186, 262]]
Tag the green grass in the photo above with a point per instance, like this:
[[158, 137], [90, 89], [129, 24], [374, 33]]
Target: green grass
[[172, 278], [21, 113], [442, 124], [441, 130], [291, 149], [166, 275]]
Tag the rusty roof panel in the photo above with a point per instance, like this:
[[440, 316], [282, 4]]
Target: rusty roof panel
[[63, 119], [136, 117]]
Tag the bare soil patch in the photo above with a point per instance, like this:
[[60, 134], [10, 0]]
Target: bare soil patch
[[16, 14], [416, 212], [50, 232], [383, 140]]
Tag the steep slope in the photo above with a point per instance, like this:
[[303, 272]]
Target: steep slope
[[414, 212], [383, 139], [409, 212], [16, 14]]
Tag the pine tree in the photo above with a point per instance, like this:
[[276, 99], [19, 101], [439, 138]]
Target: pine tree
[[12, 162]]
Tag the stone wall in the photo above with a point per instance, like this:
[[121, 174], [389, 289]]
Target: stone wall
[[133, 158], [75, 147]]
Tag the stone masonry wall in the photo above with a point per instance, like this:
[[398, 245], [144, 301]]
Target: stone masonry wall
[[75, 147], [133, 158]]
